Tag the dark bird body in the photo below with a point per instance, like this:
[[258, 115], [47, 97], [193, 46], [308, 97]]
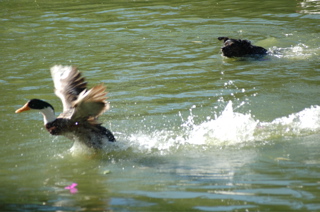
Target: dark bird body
[[240, 48]]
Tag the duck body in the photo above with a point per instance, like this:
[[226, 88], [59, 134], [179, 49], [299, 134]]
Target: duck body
[[81, 108], [92, 135]]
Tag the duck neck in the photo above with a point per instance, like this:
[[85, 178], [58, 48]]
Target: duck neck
[[48, 115]]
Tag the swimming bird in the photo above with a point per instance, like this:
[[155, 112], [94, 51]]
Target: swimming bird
[[81, 109], [241, 48]]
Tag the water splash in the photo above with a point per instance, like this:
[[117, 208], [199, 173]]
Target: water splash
[[297, 124], [299, 51], [227, 129]]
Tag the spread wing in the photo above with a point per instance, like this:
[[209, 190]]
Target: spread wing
[[90, 104], [68, 84]]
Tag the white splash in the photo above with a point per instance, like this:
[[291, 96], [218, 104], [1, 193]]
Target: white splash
[[299, 51], [227, 129], [303, 122]]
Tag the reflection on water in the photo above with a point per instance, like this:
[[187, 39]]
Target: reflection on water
[[309, 7], [195, 131]]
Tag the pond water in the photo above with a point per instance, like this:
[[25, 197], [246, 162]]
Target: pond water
[[195, 131]]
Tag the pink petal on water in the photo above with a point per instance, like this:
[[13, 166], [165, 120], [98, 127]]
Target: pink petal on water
[[72, 188]]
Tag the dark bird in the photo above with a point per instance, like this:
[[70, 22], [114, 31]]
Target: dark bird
[[241, 48]]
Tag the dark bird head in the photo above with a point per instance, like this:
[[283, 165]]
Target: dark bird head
[[44, 107], [35, 104], [240, 48]]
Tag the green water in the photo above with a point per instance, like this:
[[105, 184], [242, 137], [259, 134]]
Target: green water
[[195, 131]]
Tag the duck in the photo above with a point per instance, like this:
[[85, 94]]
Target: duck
[[81, 109]]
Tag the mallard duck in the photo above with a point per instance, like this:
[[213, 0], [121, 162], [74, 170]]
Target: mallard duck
[[81, 109]]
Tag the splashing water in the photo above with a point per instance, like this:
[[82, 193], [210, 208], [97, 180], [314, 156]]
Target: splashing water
[[299, 51], [227, 129], [297, 124]]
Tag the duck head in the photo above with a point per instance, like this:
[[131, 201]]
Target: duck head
[[45, 108]]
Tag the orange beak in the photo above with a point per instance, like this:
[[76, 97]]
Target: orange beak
[[23, 108]]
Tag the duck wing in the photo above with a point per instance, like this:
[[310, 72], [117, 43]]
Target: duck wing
[[90, 104], [68, 84]]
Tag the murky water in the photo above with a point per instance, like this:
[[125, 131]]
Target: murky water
[[195, 131]]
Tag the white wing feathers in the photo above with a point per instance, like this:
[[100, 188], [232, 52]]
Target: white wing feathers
[[90, 103], [70, 87], [68, 84]]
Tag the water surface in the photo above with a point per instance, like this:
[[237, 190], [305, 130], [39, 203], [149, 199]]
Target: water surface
[[196, 131]]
